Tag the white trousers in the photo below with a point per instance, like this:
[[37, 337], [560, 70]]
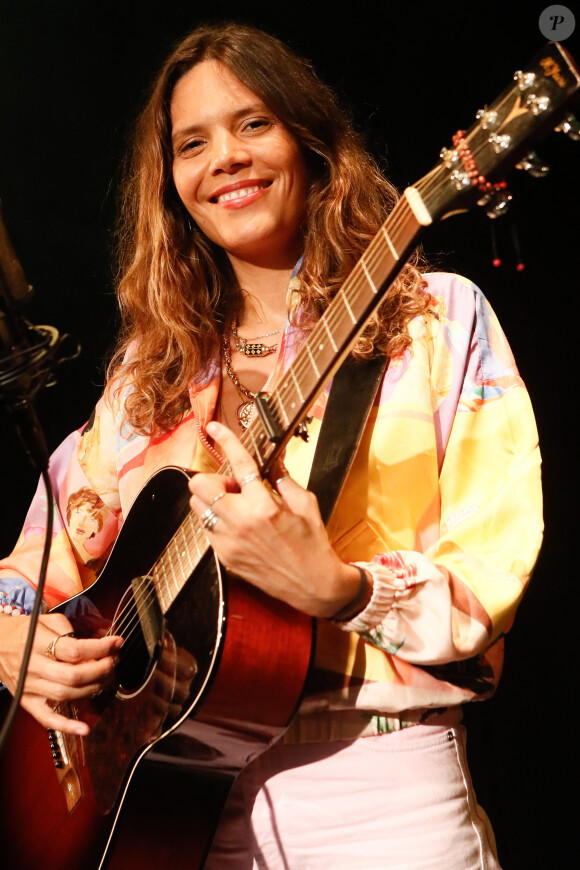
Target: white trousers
[[399, 801]]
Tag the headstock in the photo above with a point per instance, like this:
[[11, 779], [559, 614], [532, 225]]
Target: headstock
[[540, 98]]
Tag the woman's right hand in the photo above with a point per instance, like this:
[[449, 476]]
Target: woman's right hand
[[79, 669]]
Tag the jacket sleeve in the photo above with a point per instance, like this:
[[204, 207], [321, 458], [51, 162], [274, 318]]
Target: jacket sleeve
[[86, 519], [454, 599]]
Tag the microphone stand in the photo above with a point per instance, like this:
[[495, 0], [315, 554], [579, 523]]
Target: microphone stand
[[28, 359]]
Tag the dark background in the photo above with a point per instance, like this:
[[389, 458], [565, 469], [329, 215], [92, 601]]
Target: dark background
[[73, 75]]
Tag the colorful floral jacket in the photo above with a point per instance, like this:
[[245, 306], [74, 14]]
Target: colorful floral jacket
[[442, 504]]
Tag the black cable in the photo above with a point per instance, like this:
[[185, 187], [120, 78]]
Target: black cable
[[33, 615]]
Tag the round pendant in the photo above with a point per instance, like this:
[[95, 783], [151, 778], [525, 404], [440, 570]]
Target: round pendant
[[244, 413]]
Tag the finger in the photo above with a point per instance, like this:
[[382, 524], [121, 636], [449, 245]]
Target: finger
[[60, 681], [244, 468], [87, 672], [210, 488], [74, 650], [50, 718], [278, 473], [59, 693], [299, 501]]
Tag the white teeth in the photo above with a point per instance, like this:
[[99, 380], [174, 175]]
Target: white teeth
[[237, 194]]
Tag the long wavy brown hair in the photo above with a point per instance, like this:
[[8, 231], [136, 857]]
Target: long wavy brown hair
[[177, 290]]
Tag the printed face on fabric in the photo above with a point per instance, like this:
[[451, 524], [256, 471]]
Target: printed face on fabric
[[238, 171]]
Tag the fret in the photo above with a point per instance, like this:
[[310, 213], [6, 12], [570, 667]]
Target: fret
[[312, 360], [296, 384], [164, 598], [196, 538], [388, 240], [324, 322], [374, 288], [172, 576], [347, 304], [256, 452], [261, 444], [161, 584], [183, 554], [301, 383], [324, 351], [279, 405], [289, 402], [169, 572]]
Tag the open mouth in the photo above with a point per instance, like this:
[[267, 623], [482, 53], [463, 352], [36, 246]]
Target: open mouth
[[238, 193]]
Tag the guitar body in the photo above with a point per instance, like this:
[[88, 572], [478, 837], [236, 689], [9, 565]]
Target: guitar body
[[212, 670], [201, 689]]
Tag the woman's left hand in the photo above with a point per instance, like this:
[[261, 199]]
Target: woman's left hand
[[278, 544]]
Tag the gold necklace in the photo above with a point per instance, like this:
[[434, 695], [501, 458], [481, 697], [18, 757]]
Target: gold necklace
[[244, 410], [251, 346]]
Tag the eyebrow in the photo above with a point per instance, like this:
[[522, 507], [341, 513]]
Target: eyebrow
[[233, 116]]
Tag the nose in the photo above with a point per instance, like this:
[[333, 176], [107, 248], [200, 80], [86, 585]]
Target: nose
[[228, 154]]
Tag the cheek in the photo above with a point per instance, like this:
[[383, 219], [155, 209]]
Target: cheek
[[184, 185]]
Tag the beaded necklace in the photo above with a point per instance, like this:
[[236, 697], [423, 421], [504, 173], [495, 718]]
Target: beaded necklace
[[245, 408], [251, 346]]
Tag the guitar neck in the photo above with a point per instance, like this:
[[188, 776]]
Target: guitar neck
[[534, 102], [317, 360], [336, 331]]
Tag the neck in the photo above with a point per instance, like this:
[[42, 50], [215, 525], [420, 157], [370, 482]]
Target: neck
[[264, 292]]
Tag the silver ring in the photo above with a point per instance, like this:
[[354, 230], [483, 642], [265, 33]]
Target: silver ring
[[280, 479], [248, 478], [217, 498], [208, 519]]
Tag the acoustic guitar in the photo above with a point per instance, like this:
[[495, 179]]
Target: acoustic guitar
[[212, 669]]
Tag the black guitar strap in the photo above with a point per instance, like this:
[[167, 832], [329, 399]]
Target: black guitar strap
[[350, 400]]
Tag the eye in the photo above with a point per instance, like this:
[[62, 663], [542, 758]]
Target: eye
[[187, 149], [257, 124]]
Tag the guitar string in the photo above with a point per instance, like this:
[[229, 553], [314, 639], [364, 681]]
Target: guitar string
[[127, 622], [373, 255], [351, 290], [430, 183]]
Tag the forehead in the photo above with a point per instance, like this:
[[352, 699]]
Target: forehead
[[206, 93]]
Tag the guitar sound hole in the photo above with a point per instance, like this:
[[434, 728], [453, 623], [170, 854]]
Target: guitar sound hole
[[141, 629]]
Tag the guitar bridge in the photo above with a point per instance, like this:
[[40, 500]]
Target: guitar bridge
[[65, 757]]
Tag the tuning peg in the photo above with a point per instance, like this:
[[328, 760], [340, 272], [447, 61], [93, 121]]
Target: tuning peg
[[537, 104], [487, 118], [531, 163], [524, 80], [496, 203], [571, 127], [301, 430]]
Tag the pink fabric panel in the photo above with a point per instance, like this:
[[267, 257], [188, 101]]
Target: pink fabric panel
[[402, 801]]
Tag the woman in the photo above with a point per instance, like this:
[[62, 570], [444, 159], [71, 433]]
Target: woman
[[248, 202]]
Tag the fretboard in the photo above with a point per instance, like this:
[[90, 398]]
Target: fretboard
[[317, 360], [533, 102]]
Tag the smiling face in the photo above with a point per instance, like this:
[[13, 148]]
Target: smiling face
[[238, 171]]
